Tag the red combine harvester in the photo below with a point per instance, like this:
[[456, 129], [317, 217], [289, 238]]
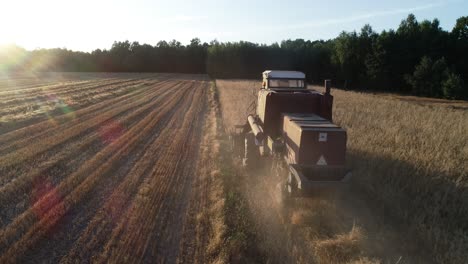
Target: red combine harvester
[[293, 126]]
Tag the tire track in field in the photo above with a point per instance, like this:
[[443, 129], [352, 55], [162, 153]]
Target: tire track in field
[[42, 124], [137, 235], [27, 229], [136, 192], [203, 228], [170, 232], [44, 127], [87, 115], [87, 217], [100, 228], [34, 113], [23, 184], [82, 128], [17, 84], [18, 99], [23, 154], [26, 95], [16, 87], [49, 105], [20, 90]]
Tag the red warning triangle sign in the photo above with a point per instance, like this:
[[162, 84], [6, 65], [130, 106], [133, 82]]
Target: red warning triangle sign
[[321, 161]]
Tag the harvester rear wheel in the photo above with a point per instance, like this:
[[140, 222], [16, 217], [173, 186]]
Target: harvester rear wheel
[[289, 190], [292, 184], [286, 198], [252, 152], [276, 168], [237, 144]]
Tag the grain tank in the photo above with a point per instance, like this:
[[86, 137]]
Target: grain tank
[[294, 124]]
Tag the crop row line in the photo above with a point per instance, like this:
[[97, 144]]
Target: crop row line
[[23, 183], [148, 205], [77, 185], [44, 127], [24, 153], [127, 189]]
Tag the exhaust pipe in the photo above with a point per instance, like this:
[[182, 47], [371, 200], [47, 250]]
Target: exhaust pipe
[[256, 128], [327, 86]]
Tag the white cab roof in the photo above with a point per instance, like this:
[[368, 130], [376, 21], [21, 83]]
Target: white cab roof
[[283, 74]]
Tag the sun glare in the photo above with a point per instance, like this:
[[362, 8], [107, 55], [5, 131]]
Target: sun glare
[[51, 24]]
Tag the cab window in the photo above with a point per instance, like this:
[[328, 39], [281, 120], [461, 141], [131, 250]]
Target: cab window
[[281, 83]]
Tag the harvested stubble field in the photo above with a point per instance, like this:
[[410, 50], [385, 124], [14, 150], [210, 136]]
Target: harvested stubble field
[[407, 202], [108, 168], [123, 168]]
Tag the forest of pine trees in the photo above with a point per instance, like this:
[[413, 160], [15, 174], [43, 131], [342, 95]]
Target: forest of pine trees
[[418, 58]]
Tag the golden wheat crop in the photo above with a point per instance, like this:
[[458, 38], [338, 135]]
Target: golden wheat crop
[[409, 156], [412, 157]]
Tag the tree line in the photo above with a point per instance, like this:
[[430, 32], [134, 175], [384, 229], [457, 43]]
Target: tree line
[[418, 58]]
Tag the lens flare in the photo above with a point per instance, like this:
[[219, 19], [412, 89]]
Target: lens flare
[[65, 108], [44, 197], [50, 102], [110, 131], [12, 58]]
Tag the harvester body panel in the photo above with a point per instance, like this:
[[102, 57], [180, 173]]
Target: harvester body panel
[[313, 140], [295, 123], [272, 104]]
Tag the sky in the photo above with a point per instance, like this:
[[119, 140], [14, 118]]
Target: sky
[[86, 25]]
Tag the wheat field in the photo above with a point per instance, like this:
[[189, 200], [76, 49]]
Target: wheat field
[[108, 168], [411, 156], [408, 194]]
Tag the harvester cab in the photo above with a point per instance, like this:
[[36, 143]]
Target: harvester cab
[[284, 80], [293, 125]]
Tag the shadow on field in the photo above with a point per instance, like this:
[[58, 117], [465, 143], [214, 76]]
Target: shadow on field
[[429, 207], [310, 230], [351, 225]]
